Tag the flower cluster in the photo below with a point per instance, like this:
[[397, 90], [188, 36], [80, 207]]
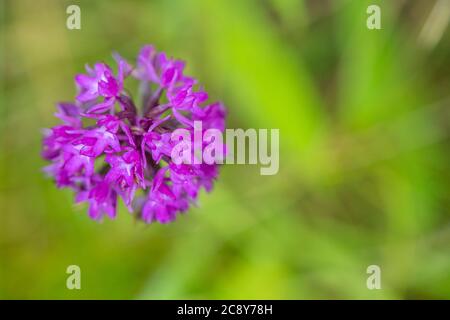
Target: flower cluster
[[107, 148]]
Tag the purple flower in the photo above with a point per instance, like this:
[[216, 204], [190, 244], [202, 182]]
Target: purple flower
[[106, 147], [184, 98], [162, 203], [102, 200], [56, 138], [126, 170], [100, 82], [101, 139], [70, 166], [70, 114], [145, 69], [211, 116], [158, 144]]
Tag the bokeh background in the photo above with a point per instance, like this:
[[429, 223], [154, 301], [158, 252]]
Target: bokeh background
[[364, 134]]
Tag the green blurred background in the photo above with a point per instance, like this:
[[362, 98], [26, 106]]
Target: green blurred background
[[364, 133]]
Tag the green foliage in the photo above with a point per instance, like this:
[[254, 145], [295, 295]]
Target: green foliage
[[363, 119]]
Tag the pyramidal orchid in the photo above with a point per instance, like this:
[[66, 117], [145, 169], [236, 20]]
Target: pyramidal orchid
[[108, 148]]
